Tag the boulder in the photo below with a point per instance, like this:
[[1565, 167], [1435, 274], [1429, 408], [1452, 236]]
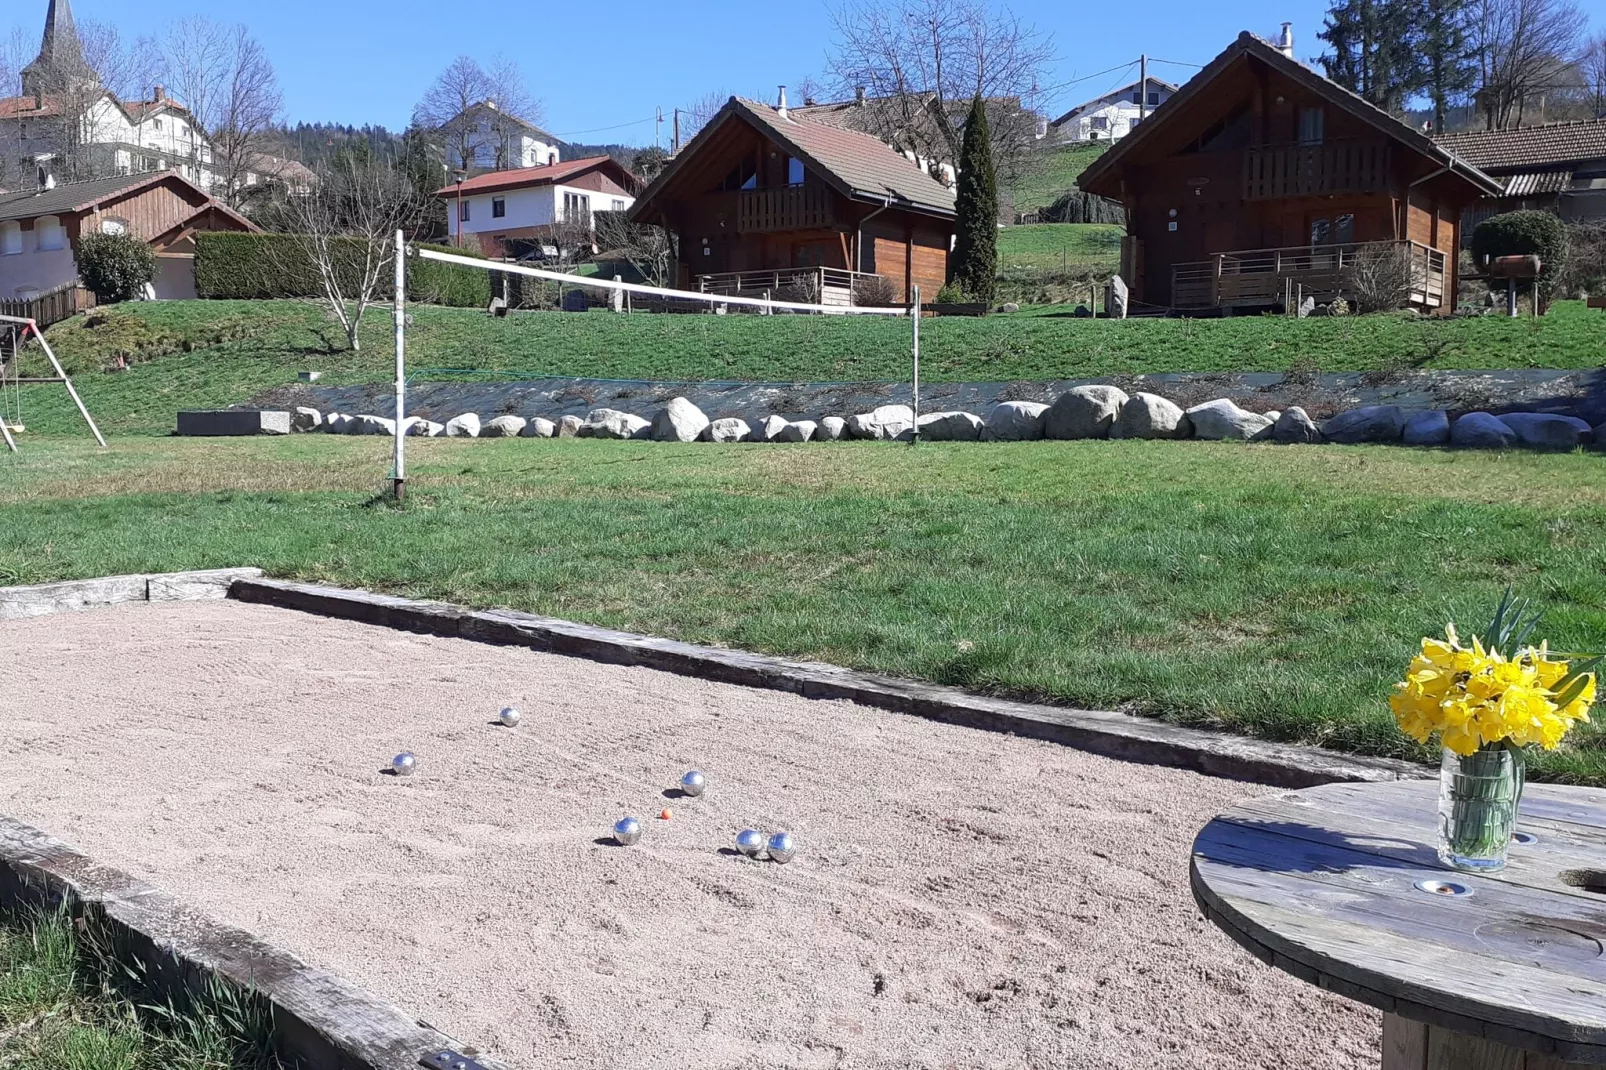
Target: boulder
[[335, 423], [464, 426], [1600, 436], [951, 427], [539, 428], [504, 427], [1370, 423], [569, 426], [888, 421], [678, 421], [831, 429], [1221, 419], [426, 429], [1084, 412], [355, 425], [612, 423], [798, 431], [1430, 428], [1115, 298], [1015, 421], [1295, 425], [1548, 430], [376, 425], [1150, 416], [1479, 430], [305, 419], [727, 431], [769, 429], [1009, 306]]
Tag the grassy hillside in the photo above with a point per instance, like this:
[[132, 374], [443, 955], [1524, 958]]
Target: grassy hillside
[[1052, 171], [202, 354], [1272, 591], [1062, 249]]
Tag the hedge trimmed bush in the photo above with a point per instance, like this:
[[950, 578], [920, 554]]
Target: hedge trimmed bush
[[1520, 233], [115, 267], [265, 266]]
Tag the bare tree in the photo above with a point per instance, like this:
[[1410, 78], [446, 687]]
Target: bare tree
[[700, 112], [1522, 47], [448, 109], [1592, 65], [226, 80], [345, 228], [1380, 277], [648, 249], [920, 63]]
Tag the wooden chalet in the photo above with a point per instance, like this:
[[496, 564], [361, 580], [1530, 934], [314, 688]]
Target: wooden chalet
[[1261, 180], [766, 201]]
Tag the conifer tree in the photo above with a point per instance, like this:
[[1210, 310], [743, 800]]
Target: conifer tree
[[975, 261]]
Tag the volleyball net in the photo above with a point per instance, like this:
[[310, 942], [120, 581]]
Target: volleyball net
[[653, 300]]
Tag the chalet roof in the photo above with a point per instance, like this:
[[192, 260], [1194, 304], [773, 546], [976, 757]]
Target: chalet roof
[[858, 165], [1528, 183], [1527, 147], [1248, 44], [1158, 83], [490, 105], [70, 198], [547, 175]]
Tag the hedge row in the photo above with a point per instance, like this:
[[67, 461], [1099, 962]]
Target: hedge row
[[262, 266]]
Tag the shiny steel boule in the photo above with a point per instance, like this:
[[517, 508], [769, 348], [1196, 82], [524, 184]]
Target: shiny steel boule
[[626, 831], [693, 783], [509, 717], [750, 842], [404, 764], [782, 847]]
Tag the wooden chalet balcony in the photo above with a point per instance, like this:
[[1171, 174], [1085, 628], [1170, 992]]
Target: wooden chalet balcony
[[1263, 277], [1316, 170], [808, 285], [762, 211]]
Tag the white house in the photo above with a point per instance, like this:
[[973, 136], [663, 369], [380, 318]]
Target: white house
[[497, 140], [488, 211], [1112, 116]]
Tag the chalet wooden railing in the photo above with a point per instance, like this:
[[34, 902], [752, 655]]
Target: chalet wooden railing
[[1264, 277], [51, 306], [1316, 170], [811, 285], [760, 211]]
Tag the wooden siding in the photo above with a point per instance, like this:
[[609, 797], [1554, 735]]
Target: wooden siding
[[1316, 170], [598, 181], [787, 208], [148, 213]]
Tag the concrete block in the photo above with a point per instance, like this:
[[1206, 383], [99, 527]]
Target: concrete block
[[227, 422]]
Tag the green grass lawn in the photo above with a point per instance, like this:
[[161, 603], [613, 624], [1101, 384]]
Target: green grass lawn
[[1272, 591], [1060, 249], [1053, 173], [65, 1006], [205, 354]]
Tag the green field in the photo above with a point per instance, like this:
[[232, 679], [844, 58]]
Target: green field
[[1051, 173], [1274, 591], [1060, 249], [206, 354]]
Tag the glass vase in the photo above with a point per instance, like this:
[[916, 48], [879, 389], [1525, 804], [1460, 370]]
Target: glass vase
[[1478, 798]]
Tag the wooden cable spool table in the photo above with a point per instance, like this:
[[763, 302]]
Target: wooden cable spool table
[[1341, 886]]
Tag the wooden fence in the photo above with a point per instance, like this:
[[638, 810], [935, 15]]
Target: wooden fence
[[52, 306]]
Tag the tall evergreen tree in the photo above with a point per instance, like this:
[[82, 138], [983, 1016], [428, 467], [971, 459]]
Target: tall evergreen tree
[[1373, 50], [975, 262], [1447, 67]]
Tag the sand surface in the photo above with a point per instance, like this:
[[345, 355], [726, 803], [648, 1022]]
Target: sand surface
[[959, 899]]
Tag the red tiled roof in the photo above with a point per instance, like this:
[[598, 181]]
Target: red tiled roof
[[28, 108], [528, 176], [1530, 146]]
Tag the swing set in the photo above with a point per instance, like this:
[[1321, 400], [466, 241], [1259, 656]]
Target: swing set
[[14, 334]]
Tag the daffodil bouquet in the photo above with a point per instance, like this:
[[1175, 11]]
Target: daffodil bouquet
[[1489, 700]]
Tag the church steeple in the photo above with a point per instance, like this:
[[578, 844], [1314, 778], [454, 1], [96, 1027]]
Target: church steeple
[[60, 64]]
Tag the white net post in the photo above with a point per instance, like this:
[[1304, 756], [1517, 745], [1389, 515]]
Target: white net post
[[914, 321], [399, 476]]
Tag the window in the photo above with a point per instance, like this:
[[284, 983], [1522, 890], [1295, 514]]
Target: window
[[794, 171], [619, 205], [462, 211], [1321, 231], [49, 234], [1137, 97], [1154, 99], [498, 207], [113, 225], [1310, 126], [552, 159], [10, 239], [1344, 229], [156, 124], [1101, 122], [576, 206]]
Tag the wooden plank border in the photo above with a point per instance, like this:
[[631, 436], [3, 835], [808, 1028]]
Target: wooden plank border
[[321, 1022], [1113, 735]]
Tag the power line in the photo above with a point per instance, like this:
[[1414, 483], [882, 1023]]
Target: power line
[[1089, 77], [600, 129]]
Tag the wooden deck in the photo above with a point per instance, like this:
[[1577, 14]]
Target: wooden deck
[[1260, 278]]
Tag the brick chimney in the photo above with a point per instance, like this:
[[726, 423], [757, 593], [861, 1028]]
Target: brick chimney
[[160, 94]]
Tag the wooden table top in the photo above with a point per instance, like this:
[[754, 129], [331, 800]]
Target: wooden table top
[[1320, 883]]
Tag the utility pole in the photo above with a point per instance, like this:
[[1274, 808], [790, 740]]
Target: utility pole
[[658, 131], [1143, 86], [675, 150]]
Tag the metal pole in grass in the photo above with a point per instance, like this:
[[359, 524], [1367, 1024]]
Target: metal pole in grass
[[914, 318], [399, 477]]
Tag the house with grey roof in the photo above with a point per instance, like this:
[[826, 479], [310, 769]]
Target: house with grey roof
[[1559, 167]]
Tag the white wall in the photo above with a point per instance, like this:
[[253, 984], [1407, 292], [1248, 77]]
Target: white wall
[[1118, 111], [34, 268], [536, 206]]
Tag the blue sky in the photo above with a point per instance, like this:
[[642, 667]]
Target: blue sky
[[610, 62]]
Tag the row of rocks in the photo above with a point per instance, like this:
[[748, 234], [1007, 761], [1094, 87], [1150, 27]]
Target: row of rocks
[[1084, 412]]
